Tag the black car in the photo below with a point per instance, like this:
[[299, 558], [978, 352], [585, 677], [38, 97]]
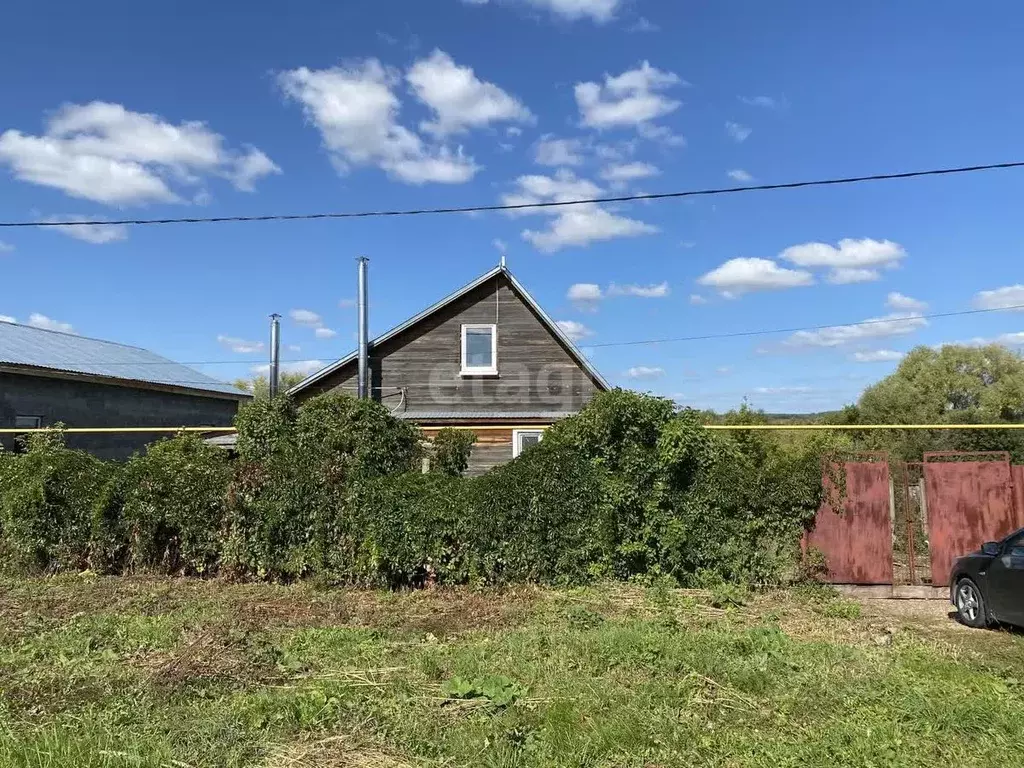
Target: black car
[[988, 585]]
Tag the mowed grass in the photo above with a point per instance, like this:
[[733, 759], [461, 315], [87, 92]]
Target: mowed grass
[[98, 672]]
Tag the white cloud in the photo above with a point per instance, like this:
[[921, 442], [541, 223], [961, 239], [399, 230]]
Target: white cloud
[[759, 101], [356, 111], [97, 234], [643, 25], [645, 372], [585, 296], [1000, 298], [574, 330], [7, 319], [877, 356], [37, 320], [895, 324], [653, 291], [305, 367], [724, 370], [240, 345], [660, 133], [1015, 339], [577, 225], [293, 348], [6, 247], [514, 130], [738, 133], [108, 154], [500, 245], [599, 11], [903, 303], [847, 275], [625, 172], [306, 317], [458, 98], [347, 303], [696, 299], [743, 275], [325, 333], [739, 175], [782, 390], [630, 99], [552, 151]]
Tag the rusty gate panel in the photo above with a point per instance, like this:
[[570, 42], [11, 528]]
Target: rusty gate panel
[[857, 544], [969, 503], [1018, 493]]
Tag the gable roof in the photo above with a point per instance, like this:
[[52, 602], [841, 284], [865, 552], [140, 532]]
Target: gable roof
[[37, 349], [500, 270]]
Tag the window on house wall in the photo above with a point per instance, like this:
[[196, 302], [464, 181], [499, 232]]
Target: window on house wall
[[479, 350], [28, 422], [524, 438]]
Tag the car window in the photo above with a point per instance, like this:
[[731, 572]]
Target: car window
[[1015, 544]]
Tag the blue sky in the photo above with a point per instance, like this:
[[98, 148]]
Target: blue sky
[[209, 109]]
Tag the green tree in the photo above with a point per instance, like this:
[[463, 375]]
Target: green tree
[[259, 386], [953, 385]]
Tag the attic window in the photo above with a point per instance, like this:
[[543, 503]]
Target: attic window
[[480, 350]]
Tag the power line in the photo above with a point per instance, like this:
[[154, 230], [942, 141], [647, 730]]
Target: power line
[[639, 342], [766, 332], [524, 206]]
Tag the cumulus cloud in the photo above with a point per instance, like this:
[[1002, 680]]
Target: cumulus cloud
[[355, 108], [240, 345], [37, 320], [782, 390], [739, 175], [306, 317], [851, 260], [1007, 297], [458, 98], [634, 98], [585, 296], [767, 102], [7, 319], [6, 247], [599, 11], [108, 154], [577, 225], [325, 333], [576, 331], [738, 133], [97, 234], [696, 299], [903, 303], [625, 172], [847, 275], [877, 356], [653, 291], [644, 372], [561, 152], [743, 275], [895, 324]]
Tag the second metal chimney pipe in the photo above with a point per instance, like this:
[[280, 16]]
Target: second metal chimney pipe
[[275, 354], [364, 331]]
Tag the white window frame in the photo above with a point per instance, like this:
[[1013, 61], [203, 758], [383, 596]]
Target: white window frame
[[37, 421], [516, 433], [486, 370]]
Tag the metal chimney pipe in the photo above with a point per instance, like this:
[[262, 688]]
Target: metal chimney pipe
[[363, 331], [275, 354]]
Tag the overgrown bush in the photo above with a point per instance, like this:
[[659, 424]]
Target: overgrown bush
[[46, 499], [452, 449], [164, 509], [411, 530], [542, 517]]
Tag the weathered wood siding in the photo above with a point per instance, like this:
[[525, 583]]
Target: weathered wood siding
[[536, 373]]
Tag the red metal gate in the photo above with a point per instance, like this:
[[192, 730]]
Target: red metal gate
[[857, 543], [969, 503]]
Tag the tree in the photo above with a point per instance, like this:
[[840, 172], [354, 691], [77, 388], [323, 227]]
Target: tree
[[953, 385], [259, 386]]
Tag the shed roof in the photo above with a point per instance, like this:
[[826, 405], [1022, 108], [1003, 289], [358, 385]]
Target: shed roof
[[39, 348], [501, 269]]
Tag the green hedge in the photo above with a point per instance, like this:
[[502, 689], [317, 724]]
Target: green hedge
[[628, 488]]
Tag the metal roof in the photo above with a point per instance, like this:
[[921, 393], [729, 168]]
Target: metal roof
[[551, 325], [23, 345]]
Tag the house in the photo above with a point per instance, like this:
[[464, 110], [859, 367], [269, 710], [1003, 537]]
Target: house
[[486, 358], [50, 376]]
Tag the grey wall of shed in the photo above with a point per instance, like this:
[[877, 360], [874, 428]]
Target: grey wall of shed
[[89, 404], [535, 370]]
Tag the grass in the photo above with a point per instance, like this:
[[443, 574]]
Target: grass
[[111, 673]]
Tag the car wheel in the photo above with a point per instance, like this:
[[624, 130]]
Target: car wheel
[[970, 605]]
